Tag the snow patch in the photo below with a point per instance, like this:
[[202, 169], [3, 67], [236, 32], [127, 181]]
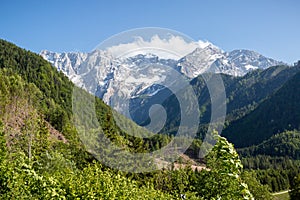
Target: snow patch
[[250, 67]]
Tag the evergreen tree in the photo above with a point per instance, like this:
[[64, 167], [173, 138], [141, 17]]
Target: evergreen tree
[[295, 189]]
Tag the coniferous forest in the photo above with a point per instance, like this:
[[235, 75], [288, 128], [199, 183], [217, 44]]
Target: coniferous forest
[[42, 156]]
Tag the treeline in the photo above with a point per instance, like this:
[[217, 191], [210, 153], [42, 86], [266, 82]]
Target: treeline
[[269, 162], [277, 179], [286, 144]]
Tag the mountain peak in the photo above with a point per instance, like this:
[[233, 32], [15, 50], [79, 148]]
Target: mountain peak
[[249, 60]]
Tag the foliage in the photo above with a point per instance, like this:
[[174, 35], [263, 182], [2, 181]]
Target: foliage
[[24, 181], [295, 189], [259, 191], [225, 170]]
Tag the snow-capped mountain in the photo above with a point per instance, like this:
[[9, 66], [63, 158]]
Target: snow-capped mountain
[[246, 60], [110, 77], [213, 59], [201, 60]]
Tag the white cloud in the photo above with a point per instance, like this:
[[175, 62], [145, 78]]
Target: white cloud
[[174, 47]]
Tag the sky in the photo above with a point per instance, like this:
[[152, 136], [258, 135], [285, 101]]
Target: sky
[[270, 27]]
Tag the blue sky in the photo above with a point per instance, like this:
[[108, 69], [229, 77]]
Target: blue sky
[[270, 27]]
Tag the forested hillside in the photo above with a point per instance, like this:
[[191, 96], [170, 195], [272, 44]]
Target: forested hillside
[[276, 160], [244, 94], [276, 114], [282, 144], [41, 154]]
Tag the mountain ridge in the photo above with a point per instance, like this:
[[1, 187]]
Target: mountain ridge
[[100, 73], [243, 95]]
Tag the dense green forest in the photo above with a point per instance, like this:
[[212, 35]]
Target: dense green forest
[[282, 144], [276, 160], [42, 156], [276, 114]]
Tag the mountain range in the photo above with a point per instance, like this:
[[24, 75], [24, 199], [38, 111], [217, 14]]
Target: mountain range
[[251, 82], [100, 73]]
